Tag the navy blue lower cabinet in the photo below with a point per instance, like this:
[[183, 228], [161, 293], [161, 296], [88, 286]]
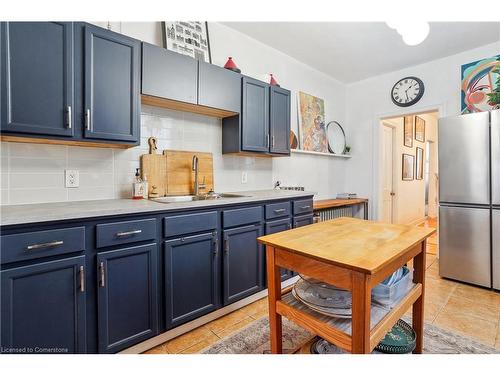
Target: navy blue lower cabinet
[[43, 307], [191, 277], [275, 227], [127, 297], [243, 262], [300, 221]]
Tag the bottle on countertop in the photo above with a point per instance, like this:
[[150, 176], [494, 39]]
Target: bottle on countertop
[[145, 186], [138, 187]]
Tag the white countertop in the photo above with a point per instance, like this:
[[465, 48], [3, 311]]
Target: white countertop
[[44, 212]]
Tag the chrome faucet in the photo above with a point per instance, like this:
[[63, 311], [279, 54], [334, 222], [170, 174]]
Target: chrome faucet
[[195, 168]]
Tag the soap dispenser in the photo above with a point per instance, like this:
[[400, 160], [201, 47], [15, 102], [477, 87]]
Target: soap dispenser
[[138, 186]]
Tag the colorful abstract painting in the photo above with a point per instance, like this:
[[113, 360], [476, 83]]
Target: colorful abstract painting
[[478, 80], [312, 123]]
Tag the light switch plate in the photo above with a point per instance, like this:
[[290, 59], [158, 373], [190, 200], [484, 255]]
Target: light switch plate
[[244, 177], [72, 177]]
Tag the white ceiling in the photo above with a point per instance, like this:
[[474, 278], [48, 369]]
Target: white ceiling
[[352, 51]]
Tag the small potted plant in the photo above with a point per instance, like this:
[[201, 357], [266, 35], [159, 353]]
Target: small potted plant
[[347, 150], [494, 96]]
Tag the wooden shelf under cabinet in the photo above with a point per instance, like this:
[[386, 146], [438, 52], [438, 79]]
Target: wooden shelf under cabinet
[[185, 107]]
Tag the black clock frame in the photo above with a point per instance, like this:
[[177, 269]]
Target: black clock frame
[[417, 98]]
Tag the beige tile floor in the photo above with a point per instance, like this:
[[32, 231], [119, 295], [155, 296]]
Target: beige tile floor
[[467, 310]]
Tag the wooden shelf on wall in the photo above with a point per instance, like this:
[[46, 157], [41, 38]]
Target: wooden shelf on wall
[[185, 107], [296, 151]]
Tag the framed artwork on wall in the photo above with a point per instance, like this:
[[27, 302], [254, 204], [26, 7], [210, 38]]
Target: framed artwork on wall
[[408, 131], [312, 130], [419, 129], [408, 163], [187, 38], [478, 80], [419, 167]]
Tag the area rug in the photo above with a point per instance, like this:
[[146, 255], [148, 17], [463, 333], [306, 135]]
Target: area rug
[[254, 339]]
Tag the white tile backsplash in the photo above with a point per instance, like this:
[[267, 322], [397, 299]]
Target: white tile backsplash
[[34, 173]]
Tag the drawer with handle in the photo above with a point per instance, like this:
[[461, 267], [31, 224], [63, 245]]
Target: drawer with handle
[[241, 216], [125, 232], [33, 245], [276, 210], [303, 206]]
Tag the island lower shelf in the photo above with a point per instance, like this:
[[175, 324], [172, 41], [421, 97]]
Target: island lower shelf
[[338, 331]]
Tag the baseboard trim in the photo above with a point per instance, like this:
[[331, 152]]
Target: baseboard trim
[[177, 331]]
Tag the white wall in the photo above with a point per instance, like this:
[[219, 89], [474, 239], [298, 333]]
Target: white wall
[[409, 201], [35, 173], [369, 100]]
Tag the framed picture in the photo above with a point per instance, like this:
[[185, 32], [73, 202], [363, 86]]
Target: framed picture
[[408, 163], [187, 38], [408, 131], [419, 167], [312, 130], [419, 129], [478, 80]]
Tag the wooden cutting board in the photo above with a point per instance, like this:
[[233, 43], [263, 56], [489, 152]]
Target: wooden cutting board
[[154, 166], [180, 176]]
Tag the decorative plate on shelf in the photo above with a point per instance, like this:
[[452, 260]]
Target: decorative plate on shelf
[[332, 312]]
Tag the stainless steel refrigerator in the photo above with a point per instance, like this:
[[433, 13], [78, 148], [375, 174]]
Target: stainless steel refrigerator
[[469, 198]]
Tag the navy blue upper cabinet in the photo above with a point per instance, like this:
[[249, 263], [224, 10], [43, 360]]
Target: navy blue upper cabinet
[[255, 115], [43, 306], [243, 262], [112, 85], [37, 78], [127, 297], [169, 75], [191, 277], [219, 88], [264, 123], [279, 125]]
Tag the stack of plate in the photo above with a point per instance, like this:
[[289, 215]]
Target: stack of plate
[[323, 298]]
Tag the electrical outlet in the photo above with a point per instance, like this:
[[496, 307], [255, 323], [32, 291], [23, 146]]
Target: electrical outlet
[[72, 178], [244, 177]]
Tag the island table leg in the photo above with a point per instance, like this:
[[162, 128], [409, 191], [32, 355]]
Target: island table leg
[[418, 306], [361, 311], [274, 289]]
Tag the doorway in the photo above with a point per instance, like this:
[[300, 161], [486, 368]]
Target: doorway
[[387, 211], [408, 168]]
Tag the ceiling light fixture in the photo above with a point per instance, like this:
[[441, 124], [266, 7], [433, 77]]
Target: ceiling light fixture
[[412, 32]]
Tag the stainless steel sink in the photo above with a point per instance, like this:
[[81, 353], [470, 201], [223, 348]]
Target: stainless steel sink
[[176, 198], [191, 198]]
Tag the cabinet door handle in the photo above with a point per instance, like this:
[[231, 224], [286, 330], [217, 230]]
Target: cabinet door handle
[[102, 276], [44, 245], [88, 120], [289, 226], [267, 141], [279, 210], [68, 117], [272, 141], [226, 245], [82, 279], [129, 233], [305, 207], [216, 246]]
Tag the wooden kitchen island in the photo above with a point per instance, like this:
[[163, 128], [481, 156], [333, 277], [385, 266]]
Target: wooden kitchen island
[[355, 255]]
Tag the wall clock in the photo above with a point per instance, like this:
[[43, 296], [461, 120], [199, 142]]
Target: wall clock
[[407, 91]]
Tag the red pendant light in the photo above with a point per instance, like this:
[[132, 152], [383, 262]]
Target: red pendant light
[[231, 65], [273, 82]]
